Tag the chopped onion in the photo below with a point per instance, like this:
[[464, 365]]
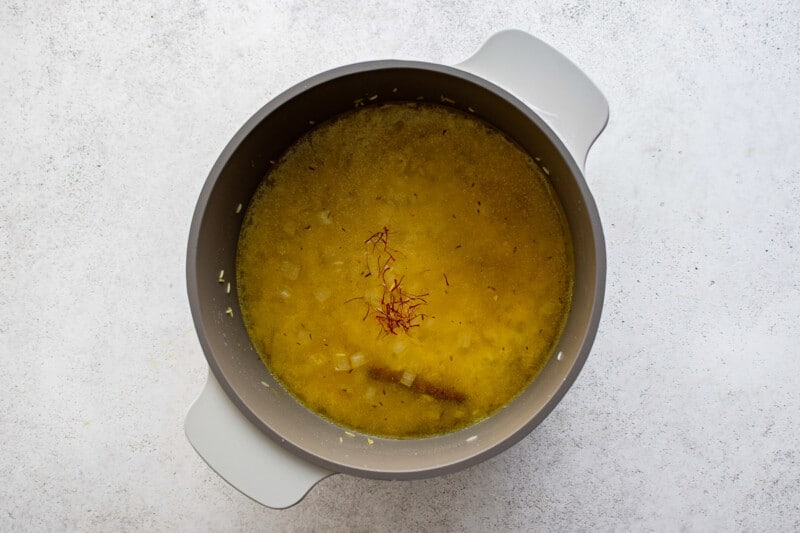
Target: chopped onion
[[548, 308], [325, 217], [303, 337], [464, 339], [285, 294], [289, 227], [408, 379], [357, 359], [290, 270], [322, 294], [341, 363], [373, 295], [399, 347]]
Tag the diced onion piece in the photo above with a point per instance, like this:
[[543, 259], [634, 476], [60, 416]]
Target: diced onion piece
[[285, 293], [341, 362], [548, 308], [390, 278], [373, 295], [289, 227], [290, 270], [370, 393], [399, 347], [357, 359], [322, 294], [408, 379], [303, 337], [325, 217], [464, 339]]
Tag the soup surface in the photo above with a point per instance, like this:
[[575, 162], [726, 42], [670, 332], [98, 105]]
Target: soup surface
[[404, 270]]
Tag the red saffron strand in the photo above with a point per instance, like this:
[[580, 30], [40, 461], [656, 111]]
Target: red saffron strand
[[397, 310]]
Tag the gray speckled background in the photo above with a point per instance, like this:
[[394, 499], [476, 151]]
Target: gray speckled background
[[685, 416]]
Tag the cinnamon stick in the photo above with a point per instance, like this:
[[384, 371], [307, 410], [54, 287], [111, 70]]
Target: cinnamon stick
[[419, 385]]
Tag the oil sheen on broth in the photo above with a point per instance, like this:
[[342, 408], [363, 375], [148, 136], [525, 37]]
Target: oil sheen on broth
[[404, 270]]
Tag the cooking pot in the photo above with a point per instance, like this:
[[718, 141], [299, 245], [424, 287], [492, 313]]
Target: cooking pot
[[244, 424]]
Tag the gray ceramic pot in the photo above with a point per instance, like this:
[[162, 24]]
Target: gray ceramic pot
[[534, 92]]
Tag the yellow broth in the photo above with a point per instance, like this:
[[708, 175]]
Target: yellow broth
[[404, 270]]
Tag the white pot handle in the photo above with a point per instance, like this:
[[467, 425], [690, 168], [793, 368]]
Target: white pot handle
[[244, 456], [549, 83]]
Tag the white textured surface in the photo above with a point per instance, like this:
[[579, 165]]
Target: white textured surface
[[685, 415]]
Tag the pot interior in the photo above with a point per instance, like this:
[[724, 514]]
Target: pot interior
[[212, 251]]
